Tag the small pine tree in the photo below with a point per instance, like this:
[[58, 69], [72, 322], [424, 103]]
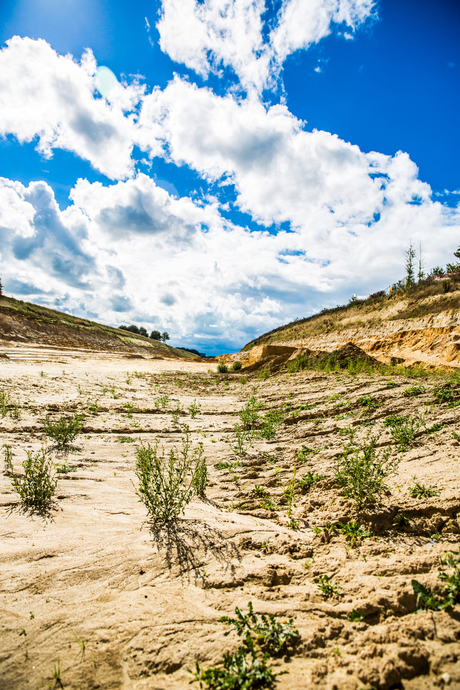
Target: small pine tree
[[1, 287], [410, 271]]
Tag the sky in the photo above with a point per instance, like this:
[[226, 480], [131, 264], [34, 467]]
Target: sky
[[217, 168]]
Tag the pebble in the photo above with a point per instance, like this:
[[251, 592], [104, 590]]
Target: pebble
[[445, 678]]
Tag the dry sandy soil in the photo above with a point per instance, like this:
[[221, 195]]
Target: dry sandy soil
[[147, 599]]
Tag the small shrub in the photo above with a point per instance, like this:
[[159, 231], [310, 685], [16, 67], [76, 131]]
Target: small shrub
[[222, 368], [38, 483], [63, 431], [328, 589], [451, 580], [167, 482], [264, 374], [422, 491], [362, 470], [241, 442], [236, 366], [447, 395], [176, 413], [194, 409], [304, 452], [354, 616], [426, 599], [307, 481]]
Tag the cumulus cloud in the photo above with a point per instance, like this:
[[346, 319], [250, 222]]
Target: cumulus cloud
[[53, 98], [243, 35]]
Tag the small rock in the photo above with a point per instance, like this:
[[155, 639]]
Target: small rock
[[445, 678]]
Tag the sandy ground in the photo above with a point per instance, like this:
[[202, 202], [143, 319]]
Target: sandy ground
[[145, 600]]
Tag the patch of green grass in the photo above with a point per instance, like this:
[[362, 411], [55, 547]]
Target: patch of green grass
[[264, 374], [433, 429], [162, 401], [448, 395], [401, 521], [126, 439], [354, 616], [304, 452]]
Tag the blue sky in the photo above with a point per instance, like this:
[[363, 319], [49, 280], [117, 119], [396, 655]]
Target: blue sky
[[254, 163]]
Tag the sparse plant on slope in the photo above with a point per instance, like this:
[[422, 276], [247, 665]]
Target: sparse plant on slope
[[194, 409], [362, 470], [8, 458], [241, 441], [162, 401], [222, 368], [64, 430], [167, 482], [236, 366], [421, 491], [427, 599], [249, 415], [404, 431], [38, 483], [308, 480], [273, 636], [328, 589]]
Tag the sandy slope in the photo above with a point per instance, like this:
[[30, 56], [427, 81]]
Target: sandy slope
[[148, 599]]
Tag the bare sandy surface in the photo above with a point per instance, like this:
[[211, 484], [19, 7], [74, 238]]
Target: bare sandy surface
[[146, 599]]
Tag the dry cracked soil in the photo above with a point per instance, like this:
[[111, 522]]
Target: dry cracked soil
[[95, 595]]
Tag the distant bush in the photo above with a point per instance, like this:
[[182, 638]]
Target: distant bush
[[236, 366], [222, 368], [131, 329]]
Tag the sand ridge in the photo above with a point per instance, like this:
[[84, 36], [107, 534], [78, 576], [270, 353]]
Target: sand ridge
[[147, 598]]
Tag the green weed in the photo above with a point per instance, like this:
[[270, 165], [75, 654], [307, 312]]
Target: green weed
[[404, 432], [194, 409], [236, 366], [38, 483], [354, 616], [413, 391], [362, 470], [263, 374], [63, 431], [328, 589], [162, 401], [272, 636], [259, 492], [8, 459], [354, 532], [307, 481], [168, 482], [421, 491]]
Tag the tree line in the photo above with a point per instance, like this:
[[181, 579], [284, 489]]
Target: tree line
[[140, 330]]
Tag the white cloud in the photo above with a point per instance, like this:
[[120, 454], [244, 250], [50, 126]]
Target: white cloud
[[207, 36], [52, 97]]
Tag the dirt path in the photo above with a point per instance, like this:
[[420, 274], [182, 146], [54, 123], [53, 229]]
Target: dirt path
[[95, 590]]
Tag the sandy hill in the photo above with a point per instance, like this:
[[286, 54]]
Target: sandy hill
[[26, 324], [416, 326]]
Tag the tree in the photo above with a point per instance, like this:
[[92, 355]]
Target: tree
[[421, 272], [410, 272], [131, 329], [165, 336], [1, 288], [155, 335], [142, 331]]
